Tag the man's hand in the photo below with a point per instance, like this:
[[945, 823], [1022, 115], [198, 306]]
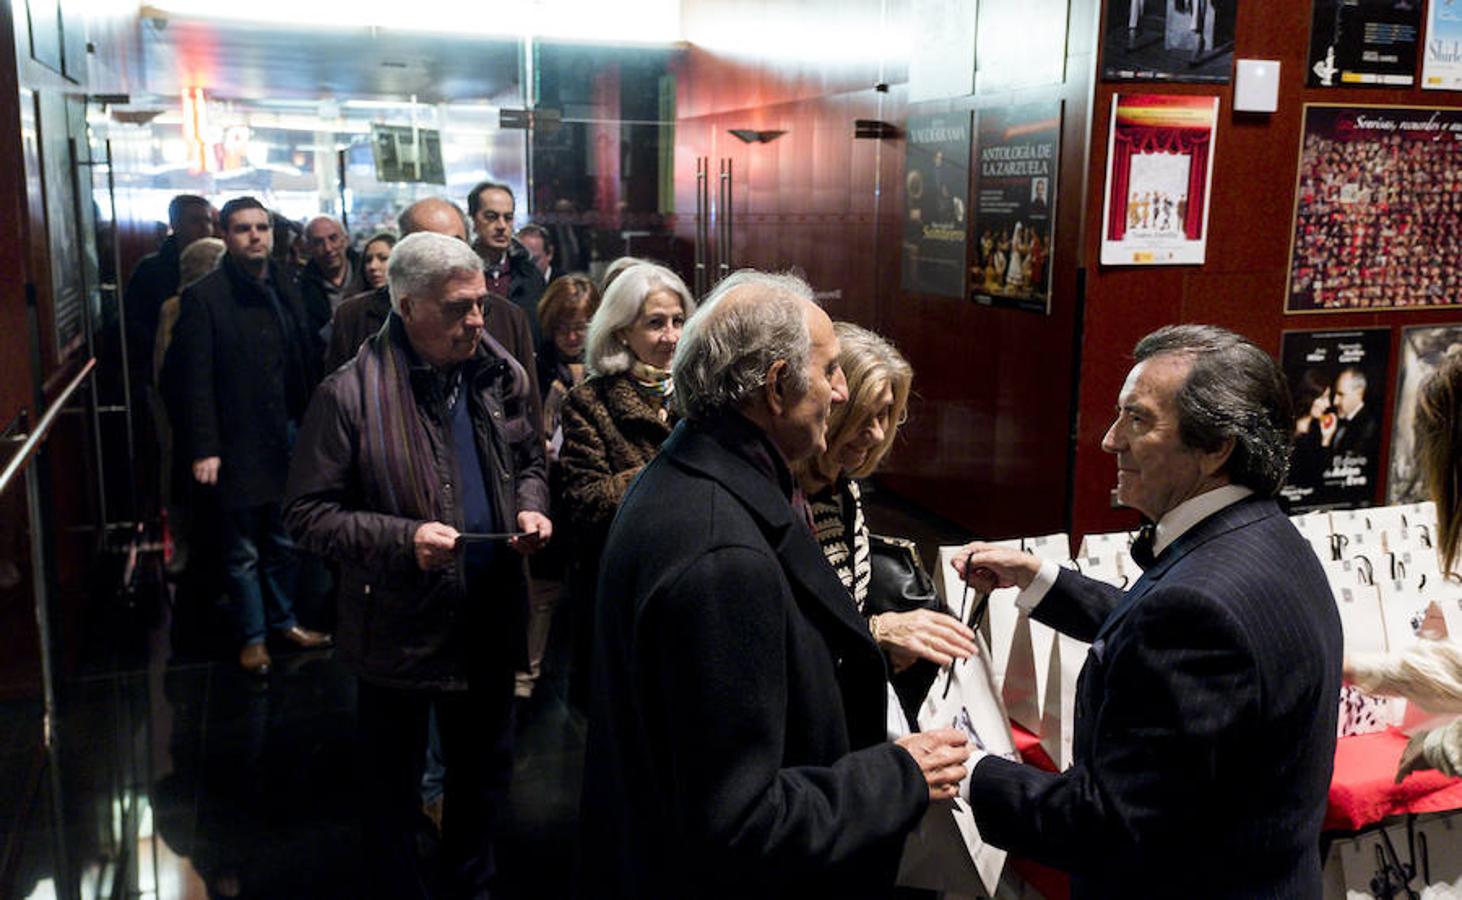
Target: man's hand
[[924, 634], [205, 471], [986, 567], [539, 529], [941, 756], [436, 544]]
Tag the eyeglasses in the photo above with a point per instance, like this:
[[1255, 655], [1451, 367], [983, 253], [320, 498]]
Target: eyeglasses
[[568, 328]]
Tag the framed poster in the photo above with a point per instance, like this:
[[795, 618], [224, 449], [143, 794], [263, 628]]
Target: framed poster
[[1337, 380], [1357, 42], [1377, 211], [1017, 166], [1422, 349], [1441, 60], [1021, 43], [936, 198], [1169, 40], [1159, 175]]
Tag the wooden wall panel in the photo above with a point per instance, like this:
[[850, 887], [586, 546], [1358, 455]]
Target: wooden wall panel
[[1242, 285]]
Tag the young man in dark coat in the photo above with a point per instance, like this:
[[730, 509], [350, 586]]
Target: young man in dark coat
[[411, 455], [1205, 712], [737, 737], [244, 365]]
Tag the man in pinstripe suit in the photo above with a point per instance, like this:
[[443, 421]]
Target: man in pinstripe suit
[[1205, 713]]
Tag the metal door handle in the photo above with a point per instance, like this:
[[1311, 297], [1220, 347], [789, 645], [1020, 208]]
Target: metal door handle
[[723, 220], [702, 227]]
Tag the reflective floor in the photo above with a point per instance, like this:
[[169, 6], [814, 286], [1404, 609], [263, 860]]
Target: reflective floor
[[175, 775]]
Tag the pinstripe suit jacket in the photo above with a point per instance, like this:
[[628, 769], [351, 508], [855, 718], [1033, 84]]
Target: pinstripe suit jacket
[[1205, 723]]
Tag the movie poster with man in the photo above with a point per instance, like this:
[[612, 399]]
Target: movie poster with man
[[936, 199], [1364, 42], [1017, 163], [1337, 382], [1377, 211], [1422, 349], [1159, 178]]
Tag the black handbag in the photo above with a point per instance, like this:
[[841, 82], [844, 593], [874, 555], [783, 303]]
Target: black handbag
[[898, 582]]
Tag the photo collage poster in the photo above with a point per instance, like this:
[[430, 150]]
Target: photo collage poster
[[1364, 42], [936, 197], [1441, 60], [1378, 213], [1337, 382], [1017, 166], [1422, 350], [1169, 40], [1159, 179]]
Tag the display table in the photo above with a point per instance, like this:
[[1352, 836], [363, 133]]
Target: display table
[[1363, 792]]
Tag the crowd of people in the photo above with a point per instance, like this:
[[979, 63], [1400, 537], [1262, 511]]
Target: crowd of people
[[479, 465], [1377, 223]]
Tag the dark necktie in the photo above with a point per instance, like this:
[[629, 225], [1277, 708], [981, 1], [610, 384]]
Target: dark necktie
[[1141, 549]]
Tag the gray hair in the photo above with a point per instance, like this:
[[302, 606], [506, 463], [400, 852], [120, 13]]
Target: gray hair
[[1234, 390], [724, 354], [604, 353], [422, 263]]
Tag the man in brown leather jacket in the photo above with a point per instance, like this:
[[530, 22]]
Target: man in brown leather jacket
[[415, 462]]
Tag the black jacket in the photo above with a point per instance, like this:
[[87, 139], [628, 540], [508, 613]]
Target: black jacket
[[737, 730], [1205, 723], [398, 625], [153, 280], [241, 373], [315, 293]]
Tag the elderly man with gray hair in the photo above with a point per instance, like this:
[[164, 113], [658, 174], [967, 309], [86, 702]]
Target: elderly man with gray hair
[[420, 471], [737, 743]]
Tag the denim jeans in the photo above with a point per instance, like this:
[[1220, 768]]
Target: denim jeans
[[262, 567]]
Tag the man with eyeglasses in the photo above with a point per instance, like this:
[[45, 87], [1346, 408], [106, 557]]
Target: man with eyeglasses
[[509, 266], [420, 471]]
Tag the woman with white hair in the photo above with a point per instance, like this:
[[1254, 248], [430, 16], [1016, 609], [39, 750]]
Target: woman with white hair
[[616, 420]]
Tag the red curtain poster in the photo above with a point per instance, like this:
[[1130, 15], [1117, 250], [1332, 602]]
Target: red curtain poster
[[1159, 173]]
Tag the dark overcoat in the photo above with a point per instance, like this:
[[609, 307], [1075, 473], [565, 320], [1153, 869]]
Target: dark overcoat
[[737, 734]]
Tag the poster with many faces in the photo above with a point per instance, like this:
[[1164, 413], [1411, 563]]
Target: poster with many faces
[[1159, 179], [1378, 209]]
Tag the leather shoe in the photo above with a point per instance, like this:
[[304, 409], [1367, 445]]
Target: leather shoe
[[304, 637], [255, 659]]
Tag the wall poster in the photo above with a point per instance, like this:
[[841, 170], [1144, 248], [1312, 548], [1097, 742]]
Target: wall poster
[[1337, 380], [1378, 217], [1017, 165], [1355, 42], [1159, 175], [1169, 40], [1422, 350], [936, 197], [1441, 60]]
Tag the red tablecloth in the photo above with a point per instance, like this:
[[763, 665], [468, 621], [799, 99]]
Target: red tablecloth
[[1363, 791]]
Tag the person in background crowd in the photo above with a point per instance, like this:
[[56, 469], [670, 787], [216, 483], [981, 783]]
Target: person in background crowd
[[859, 435], [290, 255], [156, 278], [361, 316], [1206, 711], [737, 743], [510, 269], [411, 457], [373, 259], [613, 424], [1430, 672], [615, 268], [536, 240], [564, 311], [246, 364], [333, 272], [197, 259]]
